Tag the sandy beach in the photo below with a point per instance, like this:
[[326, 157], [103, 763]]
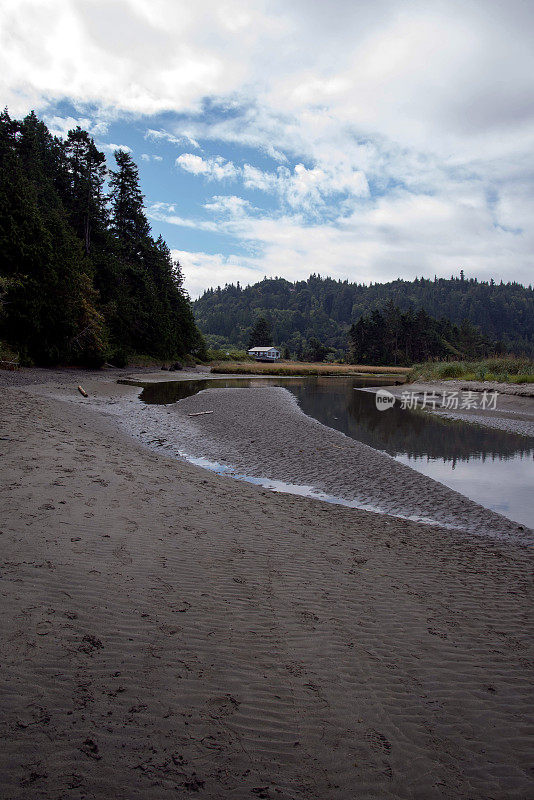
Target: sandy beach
[[170, 632]]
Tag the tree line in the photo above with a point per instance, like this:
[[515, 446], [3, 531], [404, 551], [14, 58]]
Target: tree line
[[324, 309], [82, 280], [261, 335], [389, 336]]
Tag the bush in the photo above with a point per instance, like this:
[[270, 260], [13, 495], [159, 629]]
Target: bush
[[508, 369], [228, 355], [7, 353], [452, 370], [119, 358]]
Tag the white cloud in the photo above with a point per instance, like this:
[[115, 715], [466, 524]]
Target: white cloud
[[254, 178], [212, 168], [149, 157], [112, 147], [60, 126], [433, 75], [309, 187], [158, 136], [428, 104], [166, 212], [301, 188], [228, 205], [399, 236], [205, 269]]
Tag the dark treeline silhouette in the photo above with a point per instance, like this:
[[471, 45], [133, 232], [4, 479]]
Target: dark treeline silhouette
[[81, 278], [324, 308], [388, 336]]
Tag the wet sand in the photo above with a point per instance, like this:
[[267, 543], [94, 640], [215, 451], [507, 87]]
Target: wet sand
[[168, 632], [262, 432]]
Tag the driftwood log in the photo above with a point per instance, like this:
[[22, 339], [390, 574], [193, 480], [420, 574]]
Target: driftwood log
[[199, 413], [82, 391]]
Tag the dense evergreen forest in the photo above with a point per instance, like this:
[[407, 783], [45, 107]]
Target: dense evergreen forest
[[389, 336], [82, 280], [324, 309]]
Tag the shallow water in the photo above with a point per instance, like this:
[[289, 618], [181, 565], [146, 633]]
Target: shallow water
[[492, 467]]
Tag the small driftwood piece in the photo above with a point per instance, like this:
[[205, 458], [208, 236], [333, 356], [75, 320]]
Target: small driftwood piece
[[82, 391], [199, 413]]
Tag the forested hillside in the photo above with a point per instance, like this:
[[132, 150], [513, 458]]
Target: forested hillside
[[81, 278], [389, 336], [324, 309]]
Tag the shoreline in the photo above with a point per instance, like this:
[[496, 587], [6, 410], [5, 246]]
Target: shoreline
[[514, 412], [174, 434], [168, 631], [390, 486], [319, 456], [326, 464]]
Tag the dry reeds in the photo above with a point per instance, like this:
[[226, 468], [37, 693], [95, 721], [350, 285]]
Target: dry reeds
[[298, 369]]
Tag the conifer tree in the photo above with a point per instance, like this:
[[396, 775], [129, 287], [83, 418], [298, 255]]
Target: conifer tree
[[261, 334], [415, 336], [52, 300], [87, 171], [129, 223], [76, 284]]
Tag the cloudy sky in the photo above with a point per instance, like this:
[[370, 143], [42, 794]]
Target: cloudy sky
[[362, 140]]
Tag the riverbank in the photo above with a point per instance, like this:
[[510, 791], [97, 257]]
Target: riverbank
[[262, 433], [167, 630], [513, 411]]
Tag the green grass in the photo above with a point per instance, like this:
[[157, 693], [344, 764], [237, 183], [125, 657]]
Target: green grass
[[228, 355], [505, 369]]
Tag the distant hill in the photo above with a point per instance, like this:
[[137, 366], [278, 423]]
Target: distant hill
[[325, 309]]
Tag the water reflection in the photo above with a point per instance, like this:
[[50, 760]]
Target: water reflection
[[492, 467], [336, 402], [397, 431]]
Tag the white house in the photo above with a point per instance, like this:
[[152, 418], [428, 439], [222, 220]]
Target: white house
[[264, 353]]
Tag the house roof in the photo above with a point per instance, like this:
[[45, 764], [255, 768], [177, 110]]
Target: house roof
[[262, 349]]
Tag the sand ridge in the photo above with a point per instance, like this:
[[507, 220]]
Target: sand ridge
[[262, 432]]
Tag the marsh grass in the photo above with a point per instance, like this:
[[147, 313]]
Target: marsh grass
[[504, 369], [298, 369], [228, 355]]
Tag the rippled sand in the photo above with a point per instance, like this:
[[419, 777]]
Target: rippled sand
[[171, 633], [262, 432]]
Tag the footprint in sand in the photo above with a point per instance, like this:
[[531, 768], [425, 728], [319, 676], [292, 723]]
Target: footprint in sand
[[378, 741], [222, 706], [42, 628], [90, 644]]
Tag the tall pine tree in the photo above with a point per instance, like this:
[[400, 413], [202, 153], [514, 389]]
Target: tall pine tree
[[81, 278], [86, 167]]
